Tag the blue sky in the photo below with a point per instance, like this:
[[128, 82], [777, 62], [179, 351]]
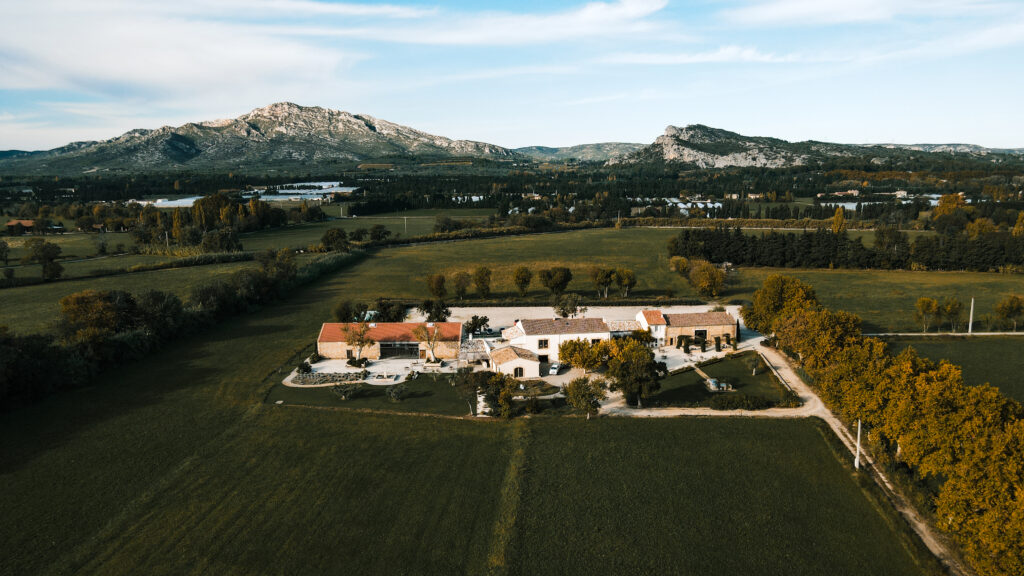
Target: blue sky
[[521, 73]]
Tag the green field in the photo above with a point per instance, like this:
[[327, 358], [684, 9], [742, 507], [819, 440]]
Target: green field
[[28, 309], [401, 224], [177, 466], [997, 360], [72, 245], [696, 496], [884, 299]]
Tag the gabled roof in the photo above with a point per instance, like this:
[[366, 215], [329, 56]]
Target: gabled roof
[[700, 319], [623, 325], [390, 331], [24, 223], [654, 318], [563, 326], [510, 353]]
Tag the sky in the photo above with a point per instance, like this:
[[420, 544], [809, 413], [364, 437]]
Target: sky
[[520, 73]]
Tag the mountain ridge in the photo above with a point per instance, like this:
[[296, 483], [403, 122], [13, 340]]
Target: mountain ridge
[[281, 134]]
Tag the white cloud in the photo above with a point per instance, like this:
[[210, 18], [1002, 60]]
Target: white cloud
[[725, 54], [602, 20], [817, 12]]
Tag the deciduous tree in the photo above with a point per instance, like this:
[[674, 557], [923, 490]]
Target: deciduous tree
[[521, 277], [585, 395]]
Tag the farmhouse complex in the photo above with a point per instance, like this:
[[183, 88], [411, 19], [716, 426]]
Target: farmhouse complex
[[522, 348]]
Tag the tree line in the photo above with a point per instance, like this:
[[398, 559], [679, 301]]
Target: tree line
[[100, 329], [825, 249], [965, 442]]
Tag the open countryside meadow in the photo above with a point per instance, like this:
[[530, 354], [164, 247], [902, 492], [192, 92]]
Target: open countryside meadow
[[995, 360], [884, 299], [177, 465]]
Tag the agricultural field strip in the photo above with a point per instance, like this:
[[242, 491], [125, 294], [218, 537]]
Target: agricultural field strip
[[812, 407]]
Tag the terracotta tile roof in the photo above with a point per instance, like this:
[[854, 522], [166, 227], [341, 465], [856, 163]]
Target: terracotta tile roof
[[563, 326], [24, 223], [390, 331], [654, 318], [510, 353], [700, 319], [623, 325]]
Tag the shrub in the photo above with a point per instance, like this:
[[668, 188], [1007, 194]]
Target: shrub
[[358, 363], [315, 357], [397, 392], [347, 391], [305, 368]]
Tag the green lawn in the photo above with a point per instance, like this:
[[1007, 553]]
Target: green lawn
[[697, 496], [735, 371], [688, 389], [429, 394], [997, 360], [177, 466]]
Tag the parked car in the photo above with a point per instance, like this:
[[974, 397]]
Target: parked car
[[554, 369]]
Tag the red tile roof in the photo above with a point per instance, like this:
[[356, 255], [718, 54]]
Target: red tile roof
[[390, 331], [654, 318], [24, 223]]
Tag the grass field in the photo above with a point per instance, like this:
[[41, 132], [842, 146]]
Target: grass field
[[28, 309], [177, 466], [74, 245], [696, 496], [404, 224], [997, 360], [884, 299]]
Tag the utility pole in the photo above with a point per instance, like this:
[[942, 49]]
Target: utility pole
[[167, 241], [856, 458], [970, 320], [407, 233]]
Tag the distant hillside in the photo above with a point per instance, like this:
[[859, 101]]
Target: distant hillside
[[706, 147], [600, 152], [281, 135]]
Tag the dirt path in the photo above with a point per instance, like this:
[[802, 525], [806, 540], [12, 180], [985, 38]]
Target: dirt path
[[812, 407]]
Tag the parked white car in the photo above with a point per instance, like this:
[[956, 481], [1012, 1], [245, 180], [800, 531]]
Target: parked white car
[[554, 369]]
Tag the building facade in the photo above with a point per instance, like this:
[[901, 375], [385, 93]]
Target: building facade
[[390, 340], [544, 336]]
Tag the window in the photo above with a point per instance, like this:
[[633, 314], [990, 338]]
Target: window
[[542, 344], [671, 341], [595, 340], [518, 372], [700, 334]]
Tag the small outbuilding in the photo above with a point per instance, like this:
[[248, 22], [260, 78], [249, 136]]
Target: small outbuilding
[[515, 361]]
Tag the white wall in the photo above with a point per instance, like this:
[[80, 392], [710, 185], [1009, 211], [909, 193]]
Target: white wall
[[530, 369], [530, 342]]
